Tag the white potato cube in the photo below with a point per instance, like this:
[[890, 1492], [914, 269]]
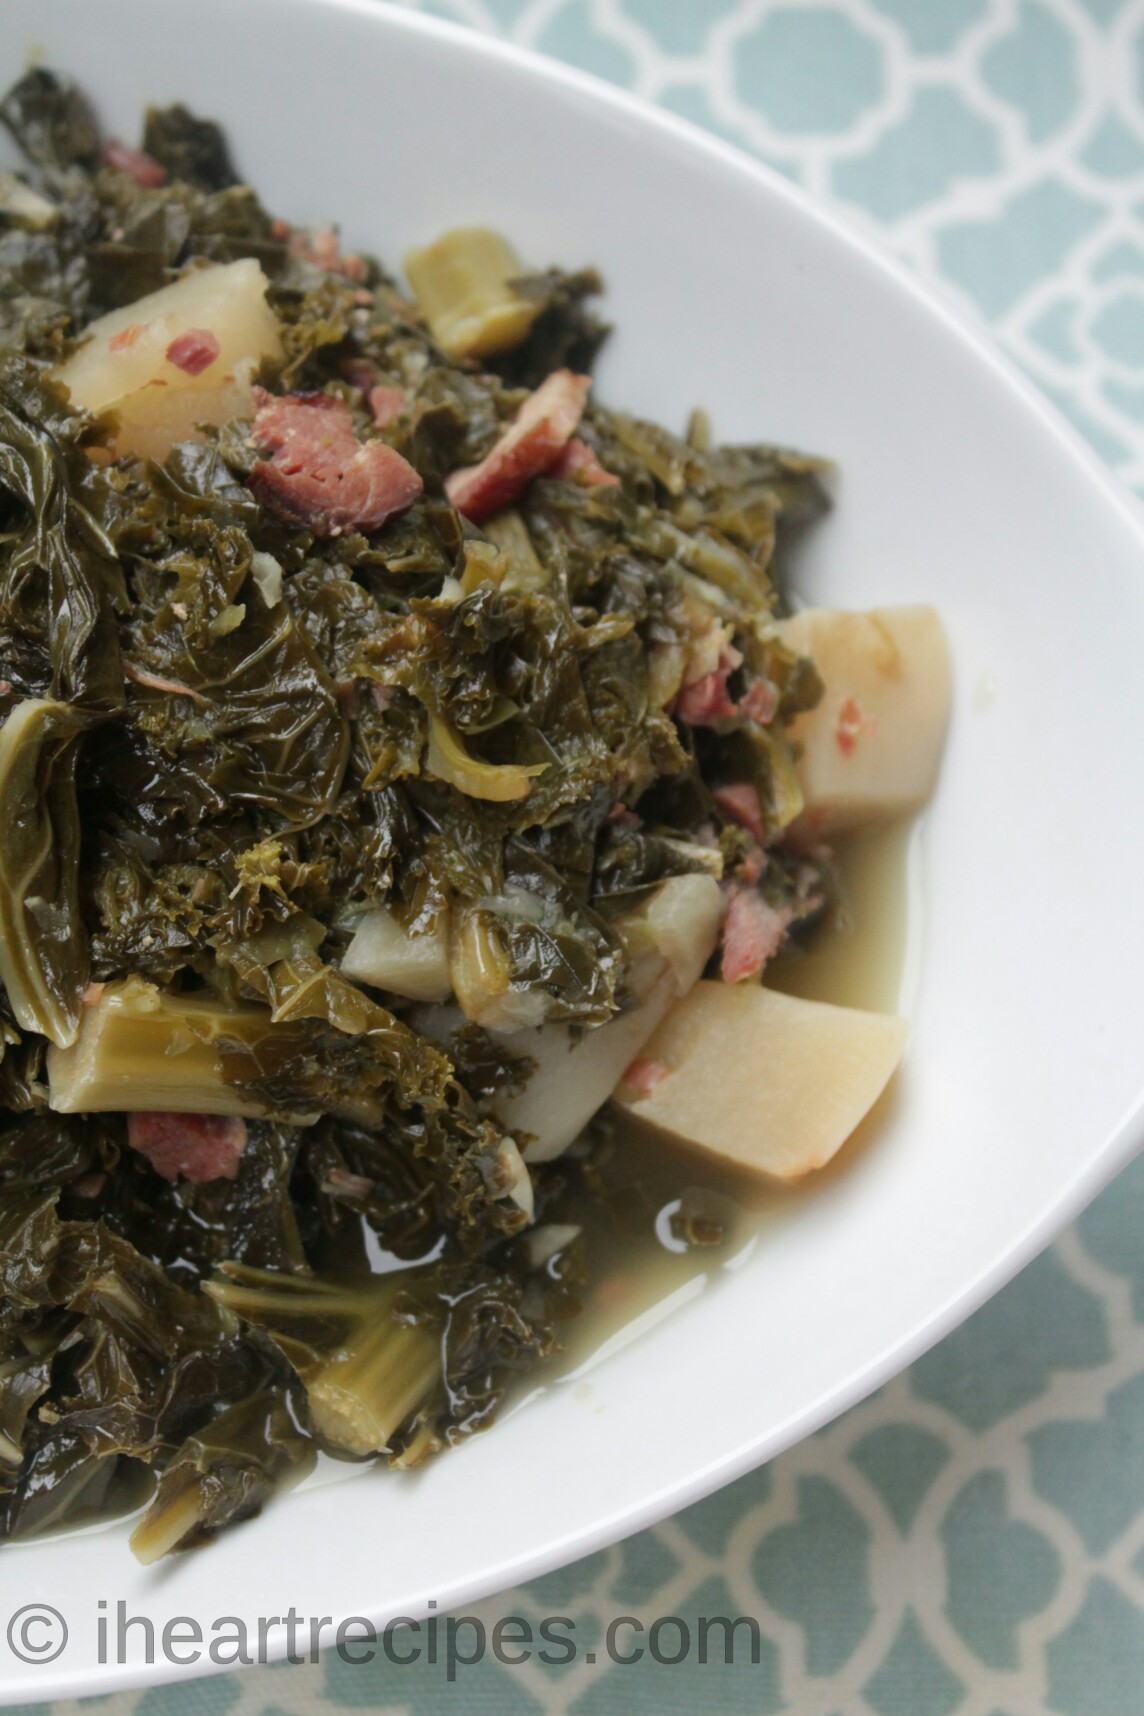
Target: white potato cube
[[670, 938], [871, 749], [384, 954], [154, 363], [768, 1081]]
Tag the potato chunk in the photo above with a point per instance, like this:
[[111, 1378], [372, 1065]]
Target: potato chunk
[[670, 939], [384, 954], [768, 1081], [871, 749], [179, 357]]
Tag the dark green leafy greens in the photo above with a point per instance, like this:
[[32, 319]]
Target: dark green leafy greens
[[217, 755]]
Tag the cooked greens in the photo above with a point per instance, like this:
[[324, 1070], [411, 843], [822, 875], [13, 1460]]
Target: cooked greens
[[237, 729]]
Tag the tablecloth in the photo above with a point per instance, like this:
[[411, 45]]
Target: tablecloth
[[970, 1541]]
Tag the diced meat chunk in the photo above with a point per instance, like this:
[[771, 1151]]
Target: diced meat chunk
[[530, 446], [752, 866], [706, 700], [387, 405], [752, 933], [143, 168], [578, 464], [318, 474], [741, 803], [193, 350], [760, 702], [198, 1146]]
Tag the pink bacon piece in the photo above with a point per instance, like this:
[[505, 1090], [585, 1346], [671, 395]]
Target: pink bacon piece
[[752, 866], [752, 933], [530, 446], [193, 350], [760, 702], [199, 1146], [706, 699], [741, 803], [138, 165], [387, 405], [319, 474], [578, 464]]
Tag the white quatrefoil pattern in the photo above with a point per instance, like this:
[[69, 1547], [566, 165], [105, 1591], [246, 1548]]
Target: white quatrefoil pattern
[[970, 1541]]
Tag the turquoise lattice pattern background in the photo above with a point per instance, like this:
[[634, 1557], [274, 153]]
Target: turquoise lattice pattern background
[[969, 1542]]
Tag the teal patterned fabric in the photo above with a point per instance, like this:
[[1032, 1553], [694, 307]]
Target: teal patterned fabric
[[969, 1542]]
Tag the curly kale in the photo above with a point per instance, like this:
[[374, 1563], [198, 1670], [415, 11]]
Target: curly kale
[[226, 740]]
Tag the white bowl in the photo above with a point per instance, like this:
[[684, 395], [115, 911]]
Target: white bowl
[[1021, 1095]]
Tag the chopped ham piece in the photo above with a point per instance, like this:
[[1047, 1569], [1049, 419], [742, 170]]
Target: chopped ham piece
[[760, 702], [753, 866], [143, 168], [92, 993], [706, 699], [752, 933], [741, 803], [198, 1146], [531, 445], [578, 464], [643, 1075], [387, 405], [319, 474], [193, 351]]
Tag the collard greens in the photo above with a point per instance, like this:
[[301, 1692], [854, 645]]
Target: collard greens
[[225, 738]]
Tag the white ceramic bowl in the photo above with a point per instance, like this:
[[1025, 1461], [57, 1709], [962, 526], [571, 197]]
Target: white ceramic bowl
[[1022, 1090]]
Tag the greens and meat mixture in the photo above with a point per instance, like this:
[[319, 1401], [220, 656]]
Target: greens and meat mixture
[[379, 710]]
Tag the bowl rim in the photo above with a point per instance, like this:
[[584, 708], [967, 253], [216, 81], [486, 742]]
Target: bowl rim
[[1106, 1159]]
